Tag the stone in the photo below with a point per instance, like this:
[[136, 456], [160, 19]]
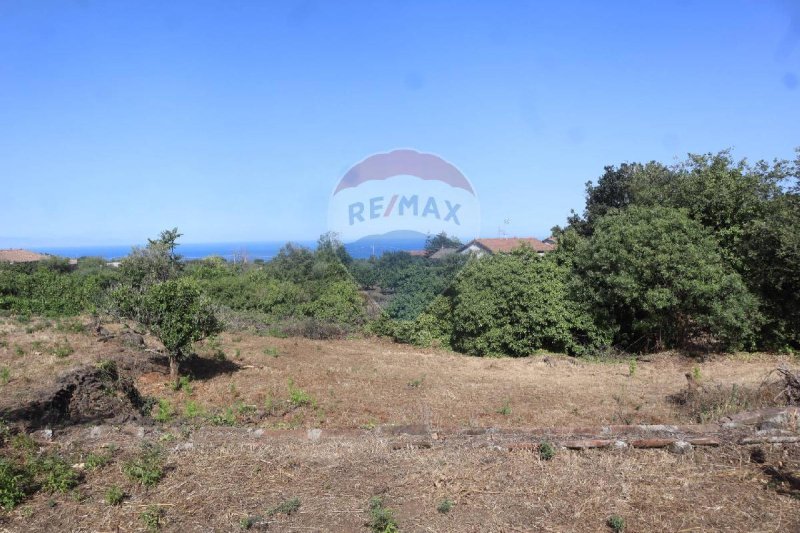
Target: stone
[[680, 447]]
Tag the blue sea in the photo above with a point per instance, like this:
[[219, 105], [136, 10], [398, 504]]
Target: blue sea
[[254, 250]]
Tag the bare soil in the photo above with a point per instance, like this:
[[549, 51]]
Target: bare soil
[[237, 442]]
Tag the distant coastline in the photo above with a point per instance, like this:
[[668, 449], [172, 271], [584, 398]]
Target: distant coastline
[[227, 250]]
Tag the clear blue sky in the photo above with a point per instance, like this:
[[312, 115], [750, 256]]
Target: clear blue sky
[[234, 119]]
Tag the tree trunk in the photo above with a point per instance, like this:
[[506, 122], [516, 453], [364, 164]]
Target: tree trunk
[[173, 368]]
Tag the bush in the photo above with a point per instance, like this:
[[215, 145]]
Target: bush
[[516, 304], [658, 280]]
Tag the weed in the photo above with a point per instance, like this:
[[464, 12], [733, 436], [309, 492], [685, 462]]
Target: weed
[[13, 481], [249, 521], [55, 473], [416, 383], [70, 325], [147, 468], [23, 442], [108, 369], [632, 368], [5, 375], [184, 384], [97, 460], [226, 418], [445, 506], [114, 495], [381, 519], [63, 349], [237, 353], [271, 351], [506, 409], [167, 437], [696, 374], [298, 397], [192, 410], [616, 523], [165, 411], [37, 346], [287, 507], [151, 518], [18, 350], [546, 451]]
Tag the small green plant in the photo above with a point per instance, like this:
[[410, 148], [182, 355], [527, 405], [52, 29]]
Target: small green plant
[[18, 350], [632, 367], [696, 374], [55, 474], [546, 451], [271, 351], [297, 396], [287, 507], [184, 384], [114, 495], [70, 325], [94, 461], [248, 522], [415, 383], [13, 481], [164, 412], [5, 375], [506, 409], [225, 418], [108, 369], [63, 349], [616, 523], [167, 437], [147, 468], [445, 506], [381, 519], [23, 442], [192, 409], [151, 518]]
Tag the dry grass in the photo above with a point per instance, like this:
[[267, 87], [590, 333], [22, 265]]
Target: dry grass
[[216, 477], [229, 476]]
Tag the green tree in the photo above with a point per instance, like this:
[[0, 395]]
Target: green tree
[[154, 263], [659, 279], [175, 311], [434, 243]]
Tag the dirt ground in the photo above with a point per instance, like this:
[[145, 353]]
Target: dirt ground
[[235, 440]]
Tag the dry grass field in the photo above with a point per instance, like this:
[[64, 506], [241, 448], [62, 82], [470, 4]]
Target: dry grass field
[[234, 442]]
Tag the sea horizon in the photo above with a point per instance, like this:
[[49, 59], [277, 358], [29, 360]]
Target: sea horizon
[[265, 250]]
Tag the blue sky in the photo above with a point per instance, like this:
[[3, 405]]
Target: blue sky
[[234, 120]]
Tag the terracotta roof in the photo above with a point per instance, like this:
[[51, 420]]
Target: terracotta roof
[[508, 244], [417, 253], [21, 256]]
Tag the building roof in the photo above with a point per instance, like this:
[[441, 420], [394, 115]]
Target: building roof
[[417, 253], [510, 243], [21, 256]]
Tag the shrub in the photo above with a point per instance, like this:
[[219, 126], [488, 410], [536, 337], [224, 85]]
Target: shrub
[[546, 451], [151, 518], [658, 279], [97, 460], [516, 304], [297, 396]]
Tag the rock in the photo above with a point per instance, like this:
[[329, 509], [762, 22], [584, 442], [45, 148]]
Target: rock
[[680, 447], [314, 434], [134, 340], [184, 447], [620, 445], [43, 435]]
